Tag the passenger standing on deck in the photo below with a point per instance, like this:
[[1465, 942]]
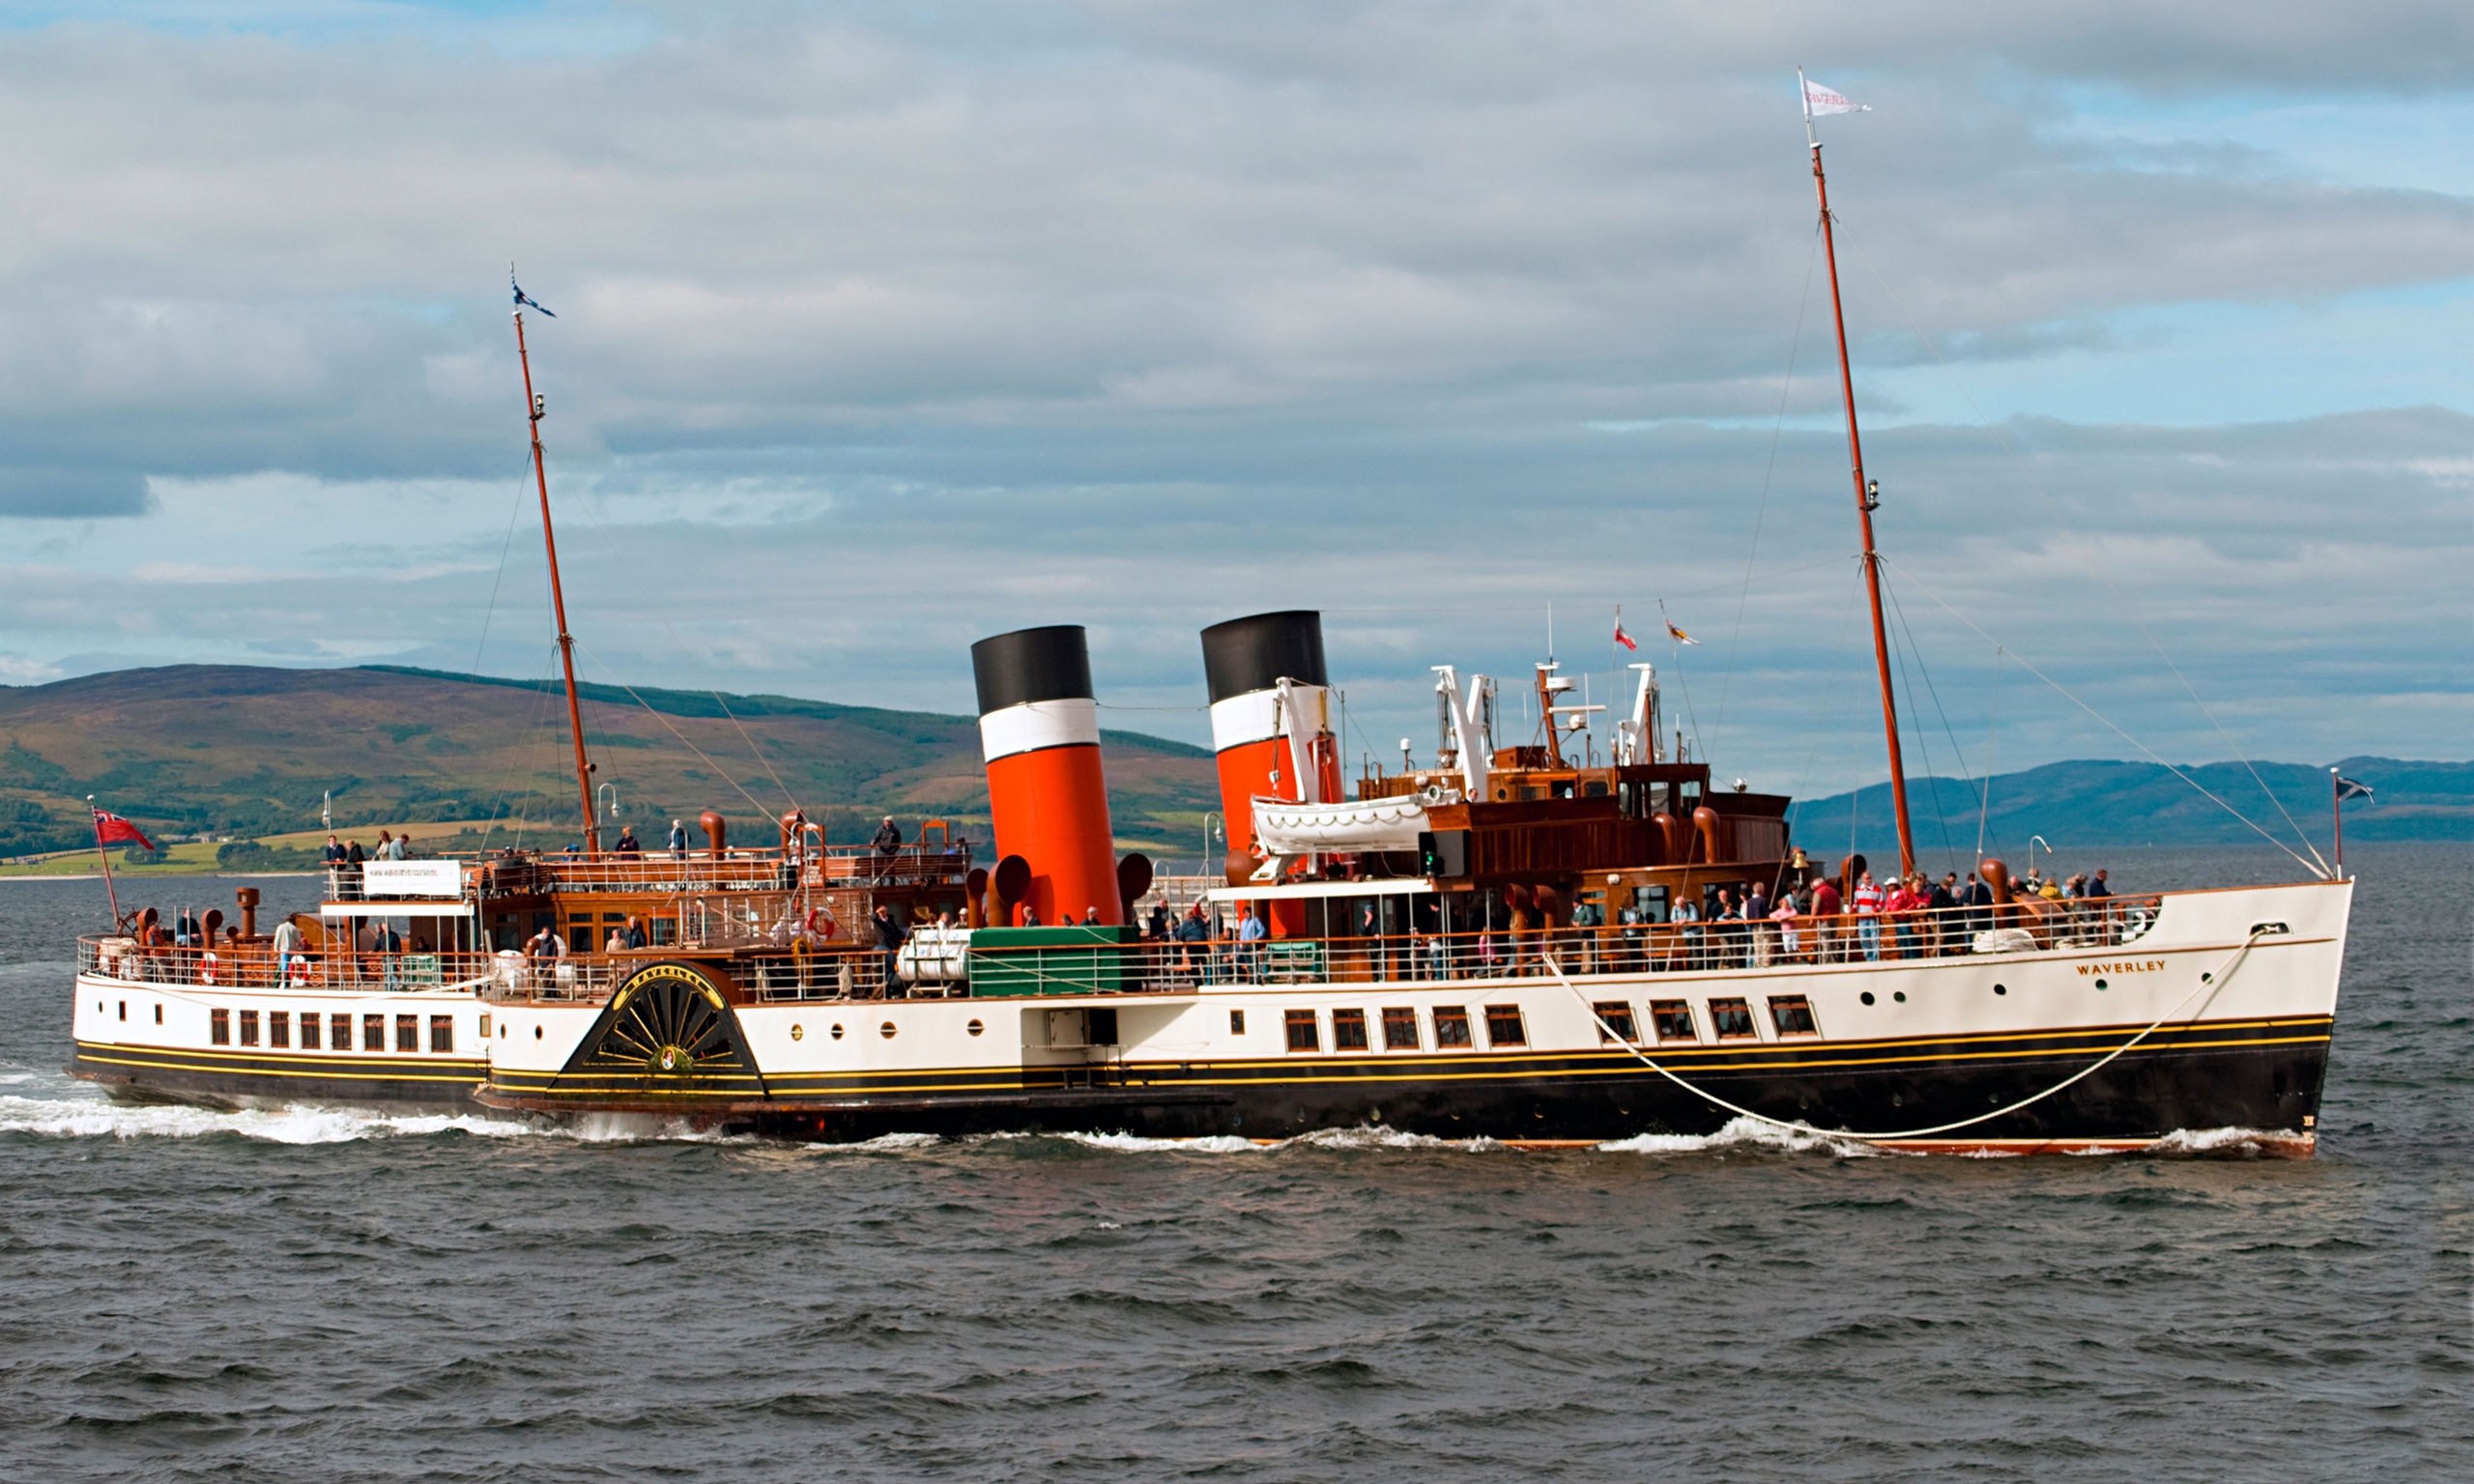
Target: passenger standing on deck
[[1868, 917], [627, 843], [334, 856], [677, 841], [889, 939], [354, 859], [1756, 924], [1251, 933], [1830, 934], [1784, 915], [635, 933], [1688, 917], [1191, 931]]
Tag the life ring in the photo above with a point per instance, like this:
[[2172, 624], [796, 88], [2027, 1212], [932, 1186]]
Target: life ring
[[825, 928], [206, 966], [296, 972]]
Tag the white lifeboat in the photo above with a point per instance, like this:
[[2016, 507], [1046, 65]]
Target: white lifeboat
[[1287, 827]]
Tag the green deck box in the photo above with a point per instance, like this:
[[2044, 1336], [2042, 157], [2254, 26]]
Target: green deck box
[[1054, 961]]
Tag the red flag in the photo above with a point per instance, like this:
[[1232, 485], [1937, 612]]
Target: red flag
[[112, 830], [1621, 638]]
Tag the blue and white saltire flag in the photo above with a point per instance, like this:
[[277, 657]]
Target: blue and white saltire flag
[[524, 299]]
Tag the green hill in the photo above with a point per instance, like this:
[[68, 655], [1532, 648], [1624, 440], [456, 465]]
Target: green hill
[[244, 750], [2144, 804]]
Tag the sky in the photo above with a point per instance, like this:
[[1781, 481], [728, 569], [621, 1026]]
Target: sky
[[880, 329]]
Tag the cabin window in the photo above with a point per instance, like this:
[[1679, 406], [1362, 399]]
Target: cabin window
[[1792, 1015], [1672, 1020], [373, 1033], [159, 1015], [1302, 1033], [124, 1010], [408, 1033], [310, 1023], [485, 1028], [441, 1033], [579, 923], [1450, 1026], [218, 1027], [1348, 1030], [248, 1027], [1236, 1022], [1400, 1029], [1652, 900], [1594, 788], [339, 1033], [665, 932], [1614, 1020], [279, 1028], [1732, 1019], [1504, 1027], [615, 917]]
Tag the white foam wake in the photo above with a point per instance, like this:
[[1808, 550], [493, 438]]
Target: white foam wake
[[292, 1123], [1743, 1133]]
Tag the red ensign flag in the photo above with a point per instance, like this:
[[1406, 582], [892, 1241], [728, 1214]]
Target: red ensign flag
[[112, 830], [1621, 638]]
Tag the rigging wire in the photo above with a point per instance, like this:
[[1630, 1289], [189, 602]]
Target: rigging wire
[[1905, 662], [2062, 509], [610, 549], [1991, 722], [1777, 428], [2067, 693], [760, 809], [1930, 689], [507, 549]]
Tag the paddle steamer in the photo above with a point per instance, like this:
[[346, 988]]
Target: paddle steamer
[[1514, 944]]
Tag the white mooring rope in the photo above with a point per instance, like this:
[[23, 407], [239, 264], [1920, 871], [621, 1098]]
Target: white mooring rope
[[2207, 982]]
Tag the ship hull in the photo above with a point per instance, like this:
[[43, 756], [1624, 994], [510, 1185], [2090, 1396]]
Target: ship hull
[[144, 1041], [2206, 1023]]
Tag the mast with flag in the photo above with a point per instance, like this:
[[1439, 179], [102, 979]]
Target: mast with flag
[[1819, 100], [111, 829], [2343, 788], [535, 410]]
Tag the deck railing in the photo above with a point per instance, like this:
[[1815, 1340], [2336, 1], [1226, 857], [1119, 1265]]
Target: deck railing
[[698, 870], [856, 972]]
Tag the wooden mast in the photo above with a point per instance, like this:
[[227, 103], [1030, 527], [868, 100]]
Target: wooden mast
[[535, 410], [1866, 499]]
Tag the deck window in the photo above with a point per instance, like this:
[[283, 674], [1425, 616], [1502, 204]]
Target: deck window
[[1348, 1030], [279, 1028], [408, 1033], [339, 1033], [441, 1033], [1236, 1022], [124, 1010], [373, 1033], [1792, 1015], [1672, 1020], [1614, 1020], [159, 1015], [1302, 1033], [218, 1027], [309, 1024], [1732, 1019], [1450, 1026], [1504, 1027], [1400, 1028], [248, 1027]]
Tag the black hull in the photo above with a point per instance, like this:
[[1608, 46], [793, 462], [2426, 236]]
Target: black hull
[[217, 1080], [2269, 1082]]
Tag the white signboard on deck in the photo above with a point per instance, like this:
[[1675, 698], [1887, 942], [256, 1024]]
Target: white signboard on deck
[[392, 880]]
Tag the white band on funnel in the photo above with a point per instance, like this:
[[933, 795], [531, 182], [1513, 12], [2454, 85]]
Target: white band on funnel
[[1254, 716], [1072, 721]]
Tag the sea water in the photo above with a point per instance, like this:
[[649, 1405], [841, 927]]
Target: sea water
[[321, 1294]]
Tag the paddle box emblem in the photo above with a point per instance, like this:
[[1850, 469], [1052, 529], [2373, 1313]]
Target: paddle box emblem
[[667, 1021]]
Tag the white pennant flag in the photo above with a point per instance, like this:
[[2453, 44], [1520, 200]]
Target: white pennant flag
[[1819, 100]]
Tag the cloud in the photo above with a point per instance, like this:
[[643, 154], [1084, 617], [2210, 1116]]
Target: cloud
[[883, 329]]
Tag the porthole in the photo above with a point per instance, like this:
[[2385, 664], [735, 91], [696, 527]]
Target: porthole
[[974, 1028], [2002, 988], [1866, 996], [797, 1033], [836, 1031], [1899, 995], [2100, 983], [536, 1033], [2208, 979], [886, 1030]]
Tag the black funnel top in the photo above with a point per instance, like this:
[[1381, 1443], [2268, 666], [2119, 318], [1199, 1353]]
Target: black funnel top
[[1027, 664], [1246, 655]]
